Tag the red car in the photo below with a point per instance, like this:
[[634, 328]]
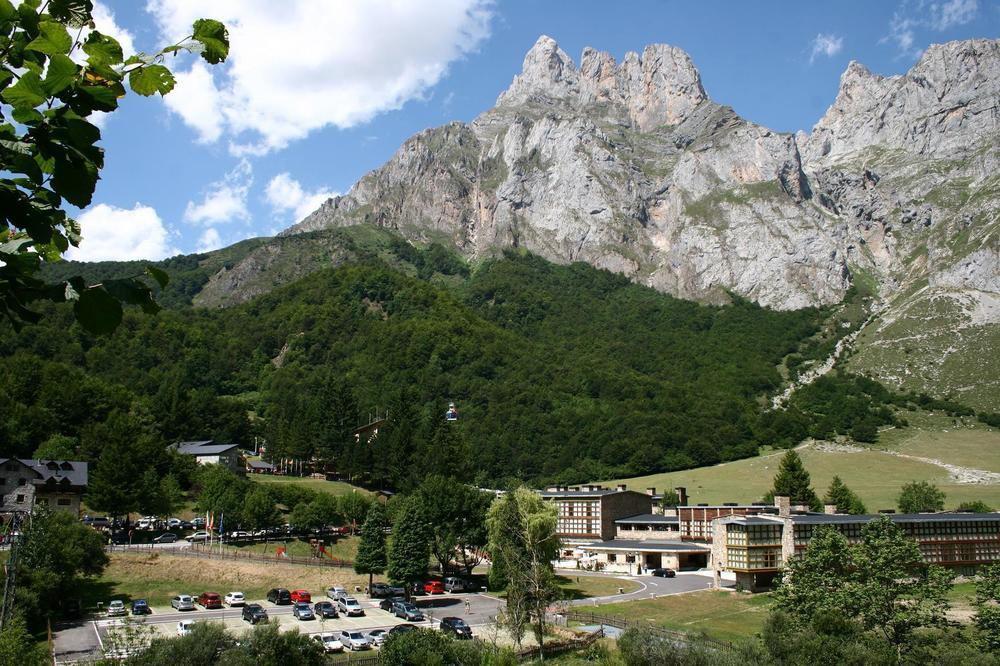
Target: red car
[[433, 587], [300, 595], [210, 600]]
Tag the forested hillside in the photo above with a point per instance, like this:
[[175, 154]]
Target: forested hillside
[[559, 372]]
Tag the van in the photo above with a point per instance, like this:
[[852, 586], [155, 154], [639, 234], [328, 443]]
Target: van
[[455, 584]]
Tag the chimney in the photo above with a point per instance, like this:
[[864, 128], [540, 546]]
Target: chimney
[[784, 505], [830, 509], [650, 491], [622, 487], [682, 495]]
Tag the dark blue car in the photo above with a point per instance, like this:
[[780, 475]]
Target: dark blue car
[[140, 607]]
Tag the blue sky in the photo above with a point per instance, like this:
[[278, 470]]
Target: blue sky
[[323, 91]]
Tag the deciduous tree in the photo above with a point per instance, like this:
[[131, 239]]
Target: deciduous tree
[[920, 497]]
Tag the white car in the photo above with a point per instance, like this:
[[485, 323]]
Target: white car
[[174, 522], [116, 608], [354, 640], [184, 627], [349, 606], [377, 637], [182, 602], [239, 536], [196, 537], [235, 599], [336, 592], [329, 642]]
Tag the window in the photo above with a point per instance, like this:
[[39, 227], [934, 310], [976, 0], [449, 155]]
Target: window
[[20, 499], [630, 559], [612, 557], [64, 502]]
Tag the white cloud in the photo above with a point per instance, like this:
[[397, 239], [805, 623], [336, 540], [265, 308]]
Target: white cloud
[[112, 233], [210, 240], [284, 193], [827, 45], [225, 200], [104, 21], [924, 15], [303, 65]]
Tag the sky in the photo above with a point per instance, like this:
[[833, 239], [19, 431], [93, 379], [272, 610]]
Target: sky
[[316, 93]]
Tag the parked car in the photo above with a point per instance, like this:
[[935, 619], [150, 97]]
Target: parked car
[[350, 607], [434, 587], [254, 613], [457, 627], [354, 640], [325, 609], [303, 611], [166, 537], [210, 600], [329, 642], [456, 584], [407, 611], [198, 537], [116, 607], [198, 522], [401, 629], [182, 602], [380, 591], [386, 604], [300, 595], [184, 627], [279, 596], [377, 637], [140, 607], [119, 538], [336, 592], [234, 599], [174, 523], [240, 536], [663, 573]]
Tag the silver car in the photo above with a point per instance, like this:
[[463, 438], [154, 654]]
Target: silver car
[[182, 602], [354, 640], [350, 607]]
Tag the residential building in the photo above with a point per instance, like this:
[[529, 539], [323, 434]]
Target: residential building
[[207, 452], [585, 513], [260, 467], [57, 484], [756, 547]]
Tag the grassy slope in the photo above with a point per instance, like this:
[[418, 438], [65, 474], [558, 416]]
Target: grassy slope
[[320, 485], [875, 475]]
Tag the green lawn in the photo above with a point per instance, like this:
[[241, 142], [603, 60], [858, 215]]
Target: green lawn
[[720, 615], [874, 474], [582, 587], [321, 485], [345, 548]]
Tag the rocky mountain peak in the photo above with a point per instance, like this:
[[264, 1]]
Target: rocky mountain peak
[[660, 87], [947, 102]]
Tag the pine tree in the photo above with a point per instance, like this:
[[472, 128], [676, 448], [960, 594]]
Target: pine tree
[[410, 548], [371, 558], [793, 480], [844, 498]]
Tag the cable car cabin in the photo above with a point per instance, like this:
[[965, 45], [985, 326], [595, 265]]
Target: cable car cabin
[[452, 413]]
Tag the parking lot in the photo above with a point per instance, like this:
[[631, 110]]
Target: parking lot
[[87, 639]]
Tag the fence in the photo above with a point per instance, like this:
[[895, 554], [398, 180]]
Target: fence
[[557, 647], [205, 552], [625, 623]]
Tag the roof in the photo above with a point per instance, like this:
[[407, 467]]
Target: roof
[[645, 545], [762, 508], [259, 464], [751, 520], [646, 518], [206, 447], [50, 472], [599, 492], [943, 517]]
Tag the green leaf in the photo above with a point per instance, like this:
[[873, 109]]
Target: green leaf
[[133, 292], [26, 115], [214, 37], [62, 72], [159, 275], [26, 93], [54, 39], [7, 11], [74, 13], [97, 311], [102, 49], [96, 98], [74, 178], [151, 79]]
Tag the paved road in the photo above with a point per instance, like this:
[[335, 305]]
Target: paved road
[[649, 586]]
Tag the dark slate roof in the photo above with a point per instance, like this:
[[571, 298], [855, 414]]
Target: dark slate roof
[[944, 517], [62, 472], [645, 545], [648, 518], [206, 447], [260, 464]]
